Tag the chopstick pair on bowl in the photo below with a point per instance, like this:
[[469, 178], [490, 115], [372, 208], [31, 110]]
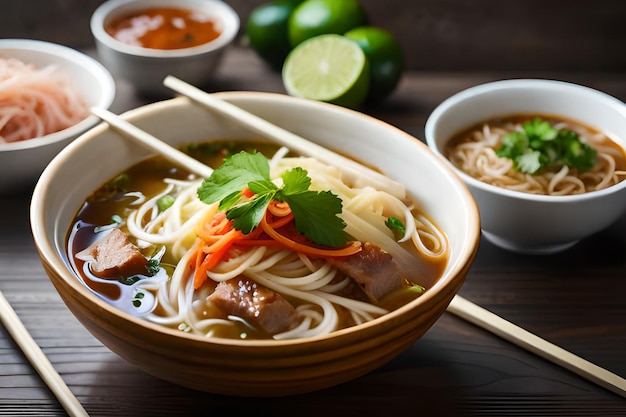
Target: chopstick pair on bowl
[[459, 306]]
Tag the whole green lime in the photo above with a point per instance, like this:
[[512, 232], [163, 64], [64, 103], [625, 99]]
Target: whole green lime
[[319, 17], [385, 57], [267, 30]]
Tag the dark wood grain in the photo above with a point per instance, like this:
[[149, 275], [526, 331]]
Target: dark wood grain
[[436, 35], [576, 299]]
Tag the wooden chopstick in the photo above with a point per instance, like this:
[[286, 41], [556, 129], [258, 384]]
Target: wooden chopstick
[[529, 341], [349, 167], [459, 306], [148, 141], [38, 359]]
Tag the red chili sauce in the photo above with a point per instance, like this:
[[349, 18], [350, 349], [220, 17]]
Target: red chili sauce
[[165, 28]]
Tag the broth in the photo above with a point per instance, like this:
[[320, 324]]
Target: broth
[[165, 28], [473, 150], [112, 206]]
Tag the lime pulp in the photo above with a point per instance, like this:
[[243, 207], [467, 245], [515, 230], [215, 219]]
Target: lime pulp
[[329, 68]]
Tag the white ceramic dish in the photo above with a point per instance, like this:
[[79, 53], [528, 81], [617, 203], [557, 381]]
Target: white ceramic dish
[[248, 367], [524, 222], [22, 162], [146, 68]]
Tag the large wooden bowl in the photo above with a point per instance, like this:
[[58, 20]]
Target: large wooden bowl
[[254, 368]]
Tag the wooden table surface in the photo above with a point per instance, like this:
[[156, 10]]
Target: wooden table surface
[[575, 299]]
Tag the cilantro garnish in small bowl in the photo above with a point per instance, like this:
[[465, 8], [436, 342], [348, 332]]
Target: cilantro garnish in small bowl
[[540, 145]]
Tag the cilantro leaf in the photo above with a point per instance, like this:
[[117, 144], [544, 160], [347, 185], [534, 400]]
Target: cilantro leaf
[[540, 145], [576, 153], [230, 200], [513, 145], [296, 181], [234, 175], [529, 162], [538, 129], [261, 187], [247, 216], [315, 215]]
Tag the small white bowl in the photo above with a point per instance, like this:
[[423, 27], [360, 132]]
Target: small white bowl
[[22, 162], [145, 68], [523, 222]]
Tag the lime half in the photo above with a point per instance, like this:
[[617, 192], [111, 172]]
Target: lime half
[[328, 68]]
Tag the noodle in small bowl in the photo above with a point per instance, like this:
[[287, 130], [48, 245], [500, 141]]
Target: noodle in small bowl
[[46, 91], [171, 330], [550, 209]]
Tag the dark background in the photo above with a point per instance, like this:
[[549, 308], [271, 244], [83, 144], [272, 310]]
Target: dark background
[[436, 35]]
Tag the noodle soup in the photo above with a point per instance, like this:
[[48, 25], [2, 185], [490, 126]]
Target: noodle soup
[[476, 152], [272, 282]]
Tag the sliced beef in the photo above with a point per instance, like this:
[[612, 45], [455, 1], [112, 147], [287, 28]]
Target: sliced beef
[[258, 305], [114, 256], [373, 269]]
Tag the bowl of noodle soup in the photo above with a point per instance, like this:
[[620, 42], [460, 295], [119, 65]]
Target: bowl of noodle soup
[[46, 91], [550, 209], [180, 329]]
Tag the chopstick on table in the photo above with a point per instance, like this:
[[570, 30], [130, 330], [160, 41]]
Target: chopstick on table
[[38, 360], [459, 306], [497, 325]]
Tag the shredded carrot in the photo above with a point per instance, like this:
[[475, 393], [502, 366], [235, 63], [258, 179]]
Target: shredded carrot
[[217, 225], [210, 256], [217, 236], [279, 208], [258, 242], [247, 193], [350, 249], [282, 221]]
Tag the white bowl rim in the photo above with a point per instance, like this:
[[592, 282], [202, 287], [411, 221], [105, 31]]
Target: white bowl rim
[[48, 250], [229, 16], [84, 60], [526, 83]]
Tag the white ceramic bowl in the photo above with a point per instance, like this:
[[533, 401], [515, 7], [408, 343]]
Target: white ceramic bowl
[[22, 162], [248, 367], [524, 222], [146, 68]]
